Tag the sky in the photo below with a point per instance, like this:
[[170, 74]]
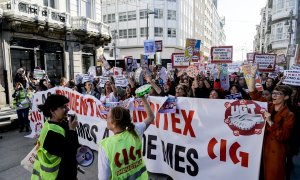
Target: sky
[[241, 18]]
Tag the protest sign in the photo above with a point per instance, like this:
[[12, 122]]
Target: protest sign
[[169, 67], [178, 60], [248, 70], [224, 76], [98, 70], [192, 71], [234, 96], [105, 107], [149, 47], [292, 77], [39, 74], [234, 67], [92, 71], [192, 50], [129, 63], [158, 46], [120, 81], [221, 54], [280, 59], [250, 57], [185, 144], [169, 106], [291, 50], [266, 62], [117, 71], [295, 67], [144, 61], [101, 61]]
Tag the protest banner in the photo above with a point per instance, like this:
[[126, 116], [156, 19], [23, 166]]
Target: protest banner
[[280, 59], [250, 57], [178, 60], [292, 77], [248, 70], [221, 54], [266, 62], [192, 50], [120, 81], [158, 46], [195, 142], [39, 74], [149, 47]]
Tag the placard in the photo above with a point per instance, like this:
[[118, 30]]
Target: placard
[[295, 67], [39, 74], [250, 57], [178, 60], [221, 54], [192, 50], [247, 71], [292, 77], [291, 50], [129, 63], [266, 62], [144, 61], [158, 46], [149, 47], [120, 81], [280, 59]]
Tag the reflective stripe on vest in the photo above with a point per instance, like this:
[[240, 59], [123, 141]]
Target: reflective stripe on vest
[[124, 152], [47, 165]]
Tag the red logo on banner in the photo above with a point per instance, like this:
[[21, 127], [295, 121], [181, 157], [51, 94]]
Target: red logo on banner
[[243, 156], [244, 117]]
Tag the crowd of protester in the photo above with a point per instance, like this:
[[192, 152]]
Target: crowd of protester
[[282, 134]]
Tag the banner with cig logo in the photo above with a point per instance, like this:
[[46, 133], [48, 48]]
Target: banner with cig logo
[[200, 139]]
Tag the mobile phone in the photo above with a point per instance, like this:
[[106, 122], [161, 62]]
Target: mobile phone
[[71, 117]]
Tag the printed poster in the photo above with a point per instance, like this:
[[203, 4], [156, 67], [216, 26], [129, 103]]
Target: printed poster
[[250, 57], [178, 60], [149, 47], [192, 50], [221, 54], [158, 46], [247, 71], [292, 77], [266, 62]]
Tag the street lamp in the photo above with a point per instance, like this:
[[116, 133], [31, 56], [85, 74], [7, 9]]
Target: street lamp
[[148, 12], [289, 22]]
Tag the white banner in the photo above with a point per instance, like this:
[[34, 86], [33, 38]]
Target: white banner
[[292, 77], [195, 142]]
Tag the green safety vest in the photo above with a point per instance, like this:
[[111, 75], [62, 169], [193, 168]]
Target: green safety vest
[[46, 165], [124, 152], [22, 97]]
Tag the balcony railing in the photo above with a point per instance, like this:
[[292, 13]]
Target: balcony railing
[[89, 25], [31, 11]]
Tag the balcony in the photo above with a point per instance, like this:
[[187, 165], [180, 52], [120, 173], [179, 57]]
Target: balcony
[[25, 11], [83, 25], [278, 16]]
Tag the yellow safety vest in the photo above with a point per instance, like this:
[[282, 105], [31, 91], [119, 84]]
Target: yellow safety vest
[[124, 152], [47, 165], [22, 97]]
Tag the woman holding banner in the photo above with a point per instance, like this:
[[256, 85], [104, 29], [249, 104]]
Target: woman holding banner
[[120, 155], [279, 126], [58, 142]]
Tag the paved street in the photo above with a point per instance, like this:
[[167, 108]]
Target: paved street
[[14, 147]]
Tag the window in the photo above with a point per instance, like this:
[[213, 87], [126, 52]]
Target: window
[[132, 33], [171, 15], [114, 33], [279, 31], [122, 16], [111, 18], [171, 32], [279, 5], [158, 13], [123, 33], [131, 15], [143, 14], [104, 19], [86, 8], [49, 3], [143, 32], [158, 32]]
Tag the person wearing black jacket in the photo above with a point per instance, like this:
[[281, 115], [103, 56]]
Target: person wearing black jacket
[[58, 142]]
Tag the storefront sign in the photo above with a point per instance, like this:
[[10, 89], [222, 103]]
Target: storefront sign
[[292, 77], [221, 54], [192, 50], [203, 139], [178, 60], [266, 62]]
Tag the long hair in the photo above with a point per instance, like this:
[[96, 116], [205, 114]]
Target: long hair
[[121, 117]]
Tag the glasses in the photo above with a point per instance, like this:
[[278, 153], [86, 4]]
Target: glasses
[[277, 93]]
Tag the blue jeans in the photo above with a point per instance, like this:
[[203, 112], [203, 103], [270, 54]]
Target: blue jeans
[[23, 117]]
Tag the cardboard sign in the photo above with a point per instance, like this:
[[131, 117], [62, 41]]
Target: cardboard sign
[[266, 62], [292, 77], [149, 47], [221, 54], [178, 60], [250, 57], [192, 50], [158, 46]]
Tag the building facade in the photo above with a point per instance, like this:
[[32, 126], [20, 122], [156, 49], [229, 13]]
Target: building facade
[[277, 28], [63, 37], [171, 21]]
